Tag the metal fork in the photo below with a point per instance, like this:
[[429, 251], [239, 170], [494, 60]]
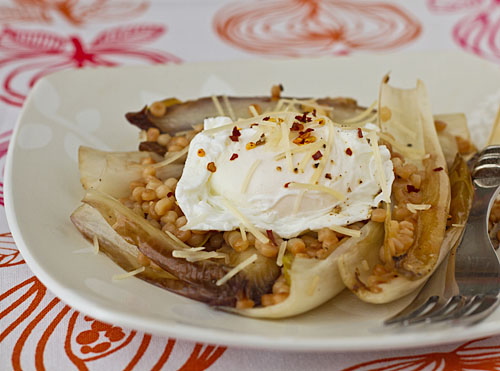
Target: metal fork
[[465, 286]]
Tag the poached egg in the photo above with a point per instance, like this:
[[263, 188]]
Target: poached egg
[[288, 172]]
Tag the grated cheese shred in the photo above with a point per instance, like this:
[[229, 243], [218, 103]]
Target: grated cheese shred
[[172, 236], [251, 228], [250, 173], [229, 107], [319, 170], [253, 111], [380, 169], [233, 272], [217, 105], [281, 254], [417, 207], [243, 232], [317, 187], [171, 159], [285, 126], [118, 277], [344, 230], [362, 115], [197, 255]]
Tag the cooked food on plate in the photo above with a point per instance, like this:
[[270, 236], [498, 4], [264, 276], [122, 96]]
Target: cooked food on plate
[[270, 206]]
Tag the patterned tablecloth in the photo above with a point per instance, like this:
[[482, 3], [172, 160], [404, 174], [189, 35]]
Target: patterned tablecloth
[[37, 37]]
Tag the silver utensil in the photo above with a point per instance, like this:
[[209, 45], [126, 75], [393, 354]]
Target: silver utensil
[[466, 285]]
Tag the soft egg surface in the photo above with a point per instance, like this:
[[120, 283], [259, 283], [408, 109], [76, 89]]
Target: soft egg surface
[[287, 172]]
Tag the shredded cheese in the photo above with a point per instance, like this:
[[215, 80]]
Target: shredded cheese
[[123, 276], [281, 254], [194, 255], [172, 236], [95, 240], [314, 284], [417, 207], [319, 170], [458, 225], [229, 108], [217, 105], [362, 115], [253, 111], [243, 232], [233, 272], [285, 138], [311, 103], [171, 159], [380, 169], [298, 201], [344, 230], [317, 187], [251, 228], [305, 160], [250, 173]]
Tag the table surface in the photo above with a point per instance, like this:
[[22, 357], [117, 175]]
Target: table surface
[[37, 330]]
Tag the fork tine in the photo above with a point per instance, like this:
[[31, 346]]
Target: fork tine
[[454, 303], [487, 305], [413, 311], [438, 308], [489, 159], [490, 149]]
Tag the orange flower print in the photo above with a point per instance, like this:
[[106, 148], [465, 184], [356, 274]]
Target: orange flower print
[[9, 254], [28, 55], [81, 341], [315, 27], [467, 357], [75, 12]]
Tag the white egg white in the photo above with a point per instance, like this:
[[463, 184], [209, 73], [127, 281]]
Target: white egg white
[[268, 202]]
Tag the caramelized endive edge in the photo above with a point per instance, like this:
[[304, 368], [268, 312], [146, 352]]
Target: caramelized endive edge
[[351, 262], [315, 281]]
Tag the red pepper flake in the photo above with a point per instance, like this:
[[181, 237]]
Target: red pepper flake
[[296, 170], [308, 130], [360, 133], [314, 112], [317, 156], [234, 156], [201, 152], [438, 169], [267, 118], [348, 151], [316, 165], [254, 124], [287, 184], [278, 168], [303, 118], [236, 134], [297, 127], [328, 176], [170, 194], [270, 234], [411, 188], [261, 141], [211, 167]]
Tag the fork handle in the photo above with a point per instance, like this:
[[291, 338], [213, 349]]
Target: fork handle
[[475, 241]]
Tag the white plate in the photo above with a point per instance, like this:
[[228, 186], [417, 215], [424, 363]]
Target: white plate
[[87, 107]]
